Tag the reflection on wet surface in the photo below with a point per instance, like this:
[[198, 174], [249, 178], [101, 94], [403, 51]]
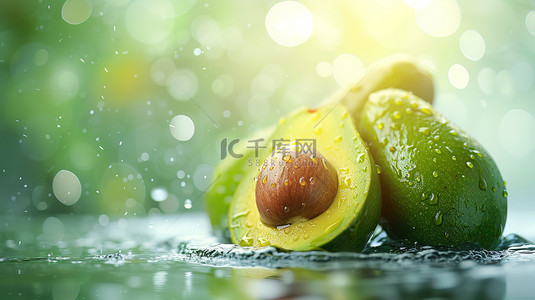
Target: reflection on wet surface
[[178, 258]]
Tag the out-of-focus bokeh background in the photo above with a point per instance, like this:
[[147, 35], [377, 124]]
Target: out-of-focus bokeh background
[[118, 107]]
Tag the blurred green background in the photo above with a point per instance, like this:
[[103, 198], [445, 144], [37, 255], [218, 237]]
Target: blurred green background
[[132, 97]]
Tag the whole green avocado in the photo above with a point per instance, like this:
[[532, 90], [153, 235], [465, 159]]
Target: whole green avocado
[[439, 186]]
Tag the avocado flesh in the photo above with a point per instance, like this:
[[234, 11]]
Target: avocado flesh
[[353, 215], [226, 178], [439, 186]]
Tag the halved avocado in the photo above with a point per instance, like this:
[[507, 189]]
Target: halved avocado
[[349, 221], [440, 187], [396, 71], [226, 178]]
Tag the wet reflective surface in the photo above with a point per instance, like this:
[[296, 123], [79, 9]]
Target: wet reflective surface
[[175, 257]]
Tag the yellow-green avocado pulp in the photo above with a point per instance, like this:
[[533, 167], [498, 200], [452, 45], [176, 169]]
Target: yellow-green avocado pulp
[[354, 213]]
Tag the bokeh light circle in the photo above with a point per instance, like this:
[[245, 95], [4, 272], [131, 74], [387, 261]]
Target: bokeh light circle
[[76, 11], [440, 18], [516, 132], [530, 22], [150, 21], [289, 23], [472, 45], [182, 84], [458, 76], [182, 128], [347, 70], [67, 187]]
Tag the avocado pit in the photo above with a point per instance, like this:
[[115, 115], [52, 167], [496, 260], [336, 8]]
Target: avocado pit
[[293, 185]]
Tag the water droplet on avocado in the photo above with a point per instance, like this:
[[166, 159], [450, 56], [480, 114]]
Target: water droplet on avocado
[[426, 111], [470, 164], [338, 139], [435, 174], [360, 158], [482, 184], [286, 182], [408, 110], [287, 158], [392, 149], [453, 132], [302, 181], [394, 126], [433, 199], [438, 218], [347, 181], [282, 120], [493, 189], [472, 156], [380, 125], [396, 115], [273, 184], [344, 114], [437, 151], [505, 194], [342, 125], [423, 197], [454, 158], [378, 168], [434, 159], [436, 137], [286, 209], [324, 164], [446, 234], [264, 180], [317, 130], [424, 130]]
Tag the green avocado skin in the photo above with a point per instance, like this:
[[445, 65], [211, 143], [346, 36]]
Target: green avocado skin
[[439, 186]]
